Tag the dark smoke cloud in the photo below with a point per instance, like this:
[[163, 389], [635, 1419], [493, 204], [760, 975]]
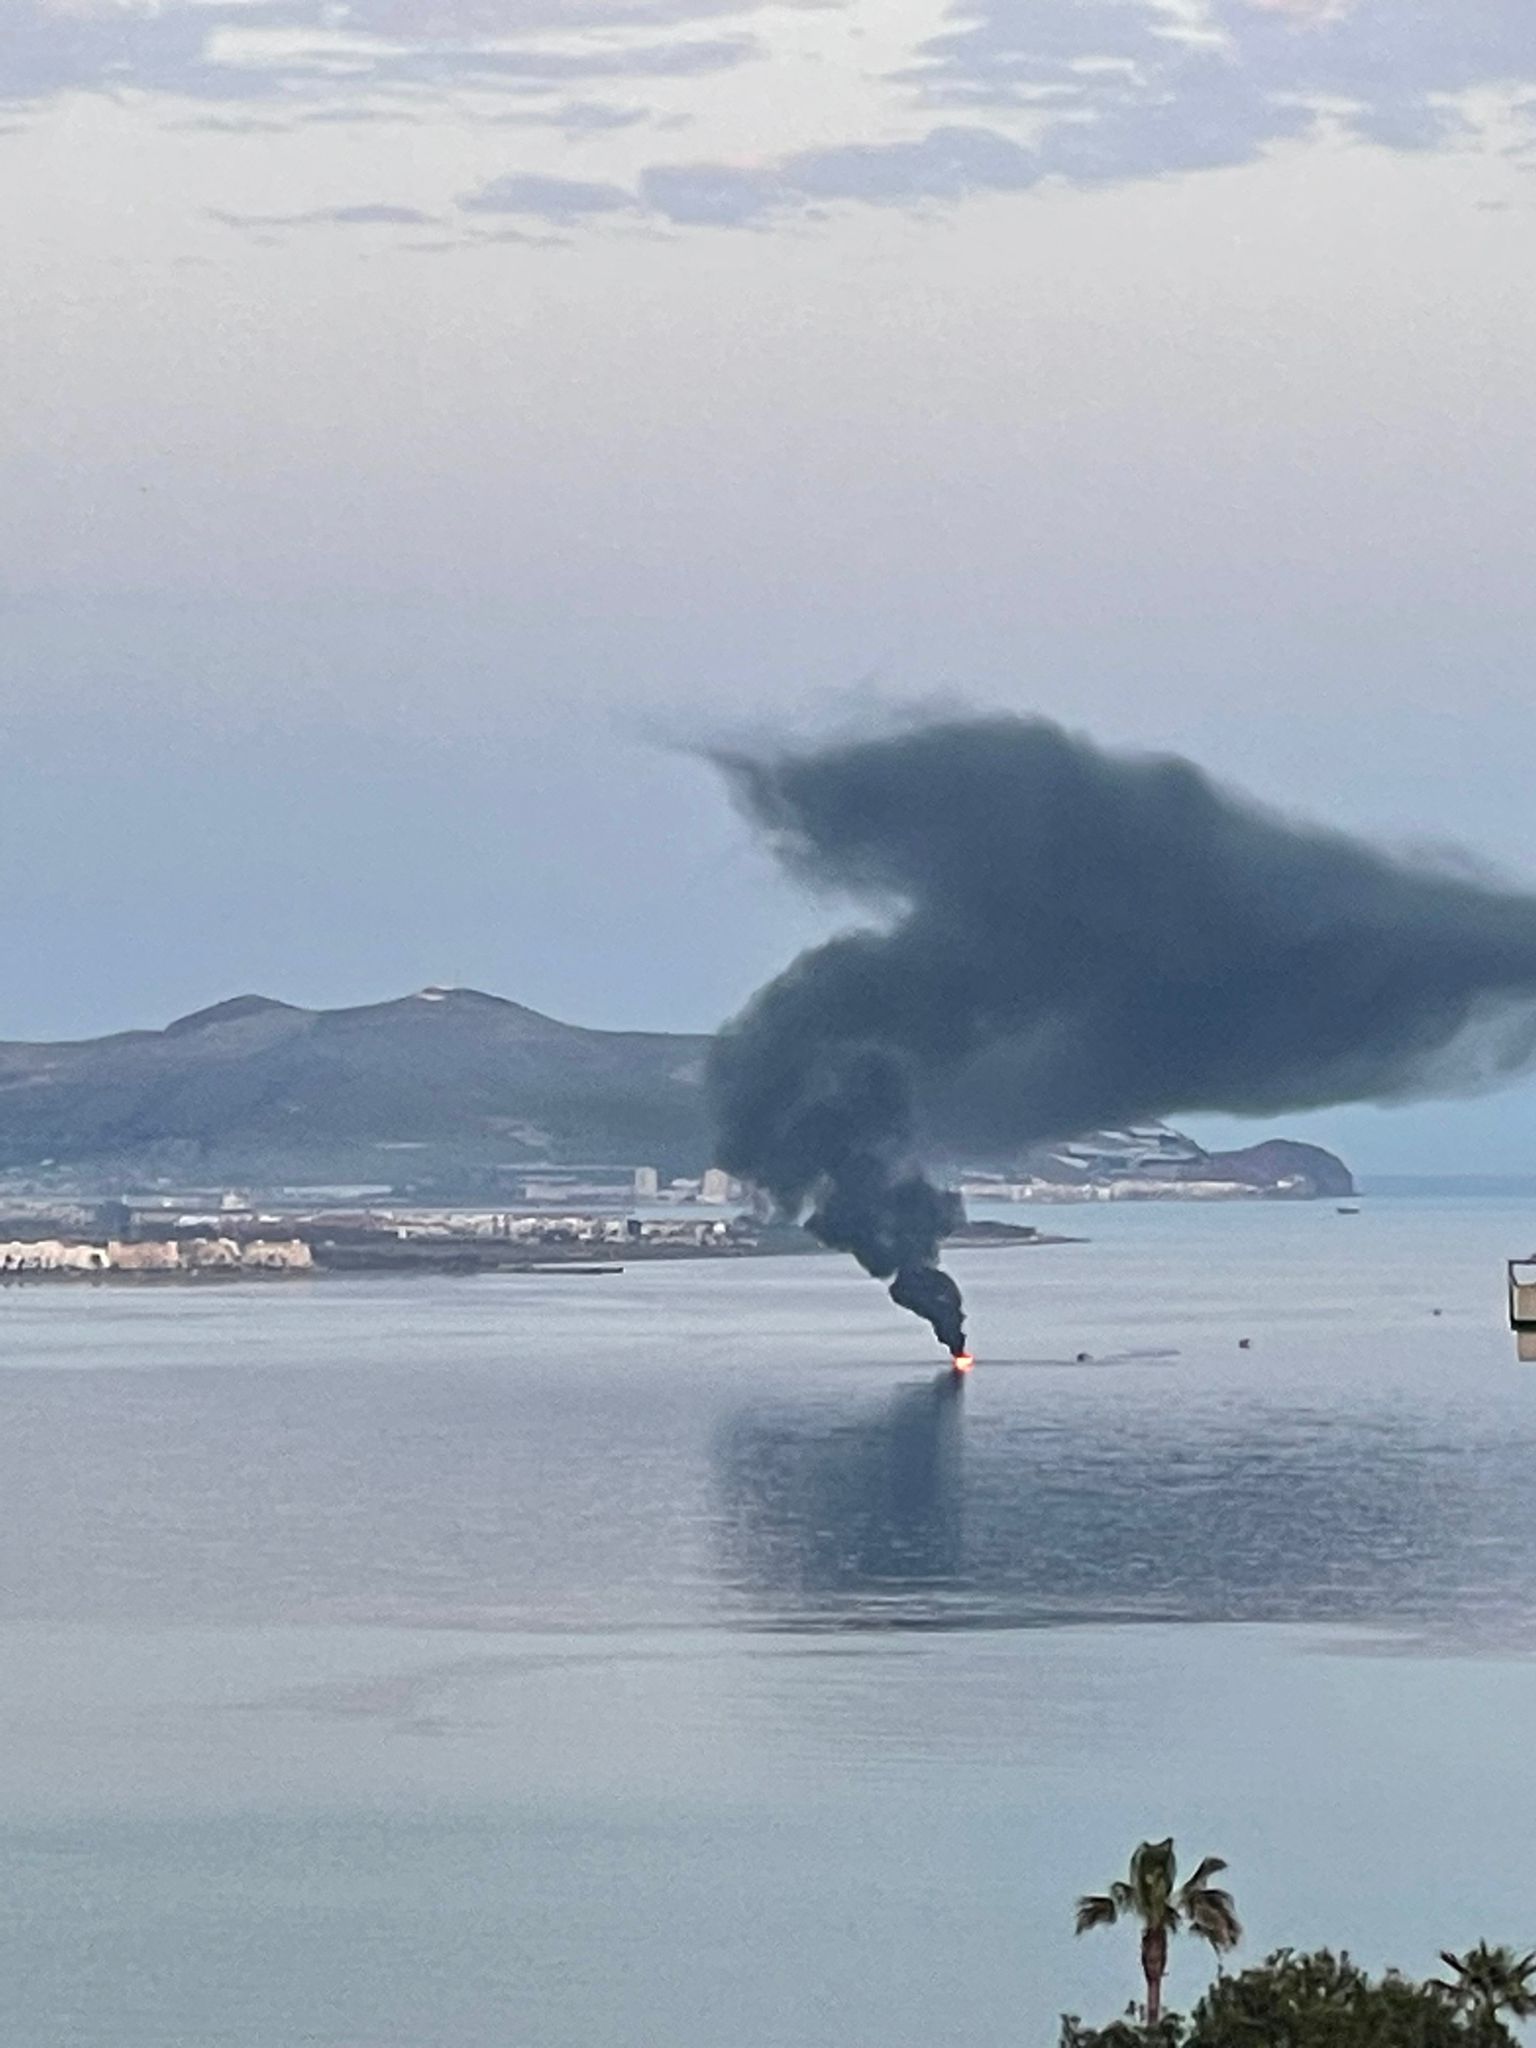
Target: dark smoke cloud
[[1073, 939]]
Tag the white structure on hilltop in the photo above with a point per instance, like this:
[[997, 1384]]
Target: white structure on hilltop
[[1139, 1149]]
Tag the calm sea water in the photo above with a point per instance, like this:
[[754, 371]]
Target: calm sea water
[[666, 1661]]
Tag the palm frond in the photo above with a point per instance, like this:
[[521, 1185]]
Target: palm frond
[[1212, 1914], [1491, 1980], [1207, 1870], [1096, 1909]]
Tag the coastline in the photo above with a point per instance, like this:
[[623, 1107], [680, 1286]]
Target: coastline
[[466, 1257]]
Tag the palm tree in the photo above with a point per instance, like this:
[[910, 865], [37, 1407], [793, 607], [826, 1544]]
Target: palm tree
[[1489, 1981], [1152, 1894]]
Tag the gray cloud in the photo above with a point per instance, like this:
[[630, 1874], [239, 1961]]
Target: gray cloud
[[1115, 90], [948, 164], [553, 199], [1111, 89], [359, 117], [490, 20], [518, 238], [712, 195], [1132, 96], [456, 68], [179, 48], [1411, 124], [230, 124], [369, 214], [576, 117]]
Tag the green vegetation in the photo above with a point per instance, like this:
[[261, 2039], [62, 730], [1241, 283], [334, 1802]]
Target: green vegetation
[[1312, 2001], [1489, 1982], [1152, 1895], [1291, 2000]]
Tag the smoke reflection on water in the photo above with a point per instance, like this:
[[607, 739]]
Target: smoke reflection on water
[[874, 1501], [918, 1512], [734, 1463]]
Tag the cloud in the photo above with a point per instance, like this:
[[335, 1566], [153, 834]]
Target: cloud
[[1011, 93], [575, 118], [230, 124], [712, 195], [561, 200], [359, 117], [1117, 89], [1305, 10], [371, 214], [945, 165], [1128, 95], [1411, 124], [341, 52], [492, 20]]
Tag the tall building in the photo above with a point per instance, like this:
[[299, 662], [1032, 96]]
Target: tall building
[[647, 1184]]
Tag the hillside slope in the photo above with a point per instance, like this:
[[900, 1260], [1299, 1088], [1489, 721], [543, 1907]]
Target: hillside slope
[[255, 1088], [433, 1090]]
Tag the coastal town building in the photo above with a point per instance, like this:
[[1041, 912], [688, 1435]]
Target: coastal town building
[[156, 1255]]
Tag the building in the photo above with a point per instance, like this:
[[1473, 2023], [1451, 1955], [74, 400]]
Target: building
[[277, 1255], [51, 1255], [168, 1255], [154, 1256]]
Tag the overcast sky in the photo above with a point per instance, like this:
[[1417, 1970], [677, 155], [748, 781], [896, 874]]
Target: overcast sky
[[423, 417]]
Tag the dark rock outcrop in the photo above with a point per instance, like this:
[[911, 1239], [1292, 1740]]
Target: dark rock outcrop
[[1282, 1159]]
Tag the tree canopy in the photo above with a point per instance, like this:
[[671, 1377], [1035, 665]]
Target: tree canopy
[[1318, 2000]]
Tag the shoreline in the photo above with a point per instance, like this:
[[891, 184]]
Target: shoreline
[[469, 1258]]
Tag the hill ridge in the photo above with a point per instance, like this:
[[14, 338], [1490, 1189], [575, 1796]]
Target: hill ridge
[[448, 1087]]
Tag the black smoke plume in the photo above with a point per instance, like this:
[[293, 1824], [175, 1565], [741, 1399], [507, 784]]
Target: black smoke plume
[[1070, 939]]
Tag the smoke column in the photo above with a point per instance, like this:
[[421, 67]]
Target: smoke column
[[1065, 939]]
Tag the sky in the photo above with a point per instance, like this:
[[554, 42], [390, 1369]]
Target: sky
[[427, 421]]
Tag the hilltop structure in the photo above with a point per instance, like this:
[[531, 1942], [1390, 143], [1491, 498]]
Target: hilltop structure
[[1151, 1161]]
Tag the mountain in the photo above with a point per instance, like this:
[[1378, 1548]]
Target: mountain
[[1279, 1159], [445, 1082], [1154, 1152], [436, 1090]]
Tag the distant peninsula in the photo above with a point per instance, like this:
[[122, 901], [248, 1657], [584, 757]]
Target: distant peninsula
[[457, 1093]]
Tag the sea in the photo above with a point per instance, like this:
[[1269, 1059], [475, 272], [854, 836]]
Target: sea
[[674, 1659]]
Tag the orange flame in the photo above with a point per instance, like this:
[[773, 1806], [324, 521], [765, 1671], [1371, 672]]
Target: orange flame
[[961, 1361]]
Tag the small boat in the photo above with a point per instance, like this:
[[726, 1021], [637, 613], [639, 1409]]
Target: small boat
[[1344, 1211]]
